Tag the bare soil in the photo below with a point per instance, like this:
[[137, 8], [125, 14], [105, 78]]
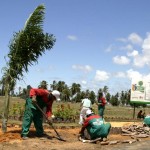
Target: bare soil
[[11, 140]]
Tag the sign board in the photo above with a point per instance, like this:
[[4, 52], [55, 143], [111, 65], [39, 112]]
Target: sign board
[[140, 91]]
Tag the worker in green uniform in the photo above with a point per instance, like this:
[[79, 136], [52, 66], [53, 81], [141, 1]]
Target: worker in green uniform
[[95, 126], [101, 102], [42, 98], [147, 120]]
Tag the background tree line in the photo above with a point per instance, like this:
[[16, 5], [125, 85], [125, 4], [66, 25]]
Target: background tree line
[[74, 93]]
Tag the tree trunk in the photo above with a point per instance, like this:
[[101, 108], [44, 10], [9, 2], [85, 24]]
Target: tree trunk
[[6, 109]]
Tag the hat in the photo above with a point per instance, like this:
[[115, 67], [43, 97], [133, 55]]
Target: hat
[[89, 112], [56, 94]]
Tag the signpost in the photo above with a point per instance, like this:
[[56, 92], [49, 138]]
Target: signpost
[[140, 92]]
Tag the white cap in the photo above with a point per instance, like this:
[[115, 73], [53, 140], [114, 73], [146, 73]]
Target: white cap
[[56, 94], [89, 112]]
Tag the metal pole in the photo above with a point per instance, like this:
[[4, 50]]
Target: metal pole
[[134, 111]]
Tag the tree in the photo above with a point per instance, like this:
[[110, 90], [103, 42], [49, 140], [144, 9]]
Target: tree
[[105, 90], [53, 86], [108, 97], [25, 48], [92, 97], [114, 100]]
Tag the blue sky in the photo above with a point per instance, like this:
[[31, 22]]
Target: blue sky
[[98, 42]]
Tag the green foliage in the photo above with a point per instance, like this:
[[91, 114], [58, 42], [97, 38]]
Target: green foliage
[[64, 111], [16, 109]]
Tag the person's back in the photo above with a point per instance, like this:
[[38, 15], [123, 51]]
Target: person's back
[[147, 120], [86, 103], [95, 126]]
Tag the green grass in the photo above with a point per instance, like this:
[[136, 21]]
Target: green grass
[[120, 113]]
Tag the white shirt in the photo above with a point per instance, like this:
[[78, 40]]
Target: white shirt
[[86, 103]]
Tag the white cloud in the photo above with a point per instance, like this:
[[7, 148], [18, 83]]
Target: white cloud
[[72, 37], [127, 47], [101, 75], [85, 68], [133, 53], [122, 39], [122, 60], [133, 74], [143, 59], [84, 82], [135, 38], [140, 61], [146, 45], [120, 75]]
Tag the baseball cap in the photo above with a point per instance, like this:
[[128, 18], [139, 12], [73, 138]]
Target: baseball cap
[[56, 94], [89, 112]]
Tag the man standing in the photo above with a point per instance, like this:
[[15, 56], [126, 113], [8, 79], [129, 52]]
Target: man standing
[[95, 126], [42, 98], [101, 102], [85, 105]]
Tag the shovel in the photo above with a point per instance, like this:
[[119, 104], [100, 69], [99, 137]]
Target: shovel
[[50, 123]]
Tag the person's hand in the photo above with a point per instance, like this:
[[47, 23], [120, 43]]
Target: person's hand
[[99, 103], [49, 120], [53, 117], [34, 99]]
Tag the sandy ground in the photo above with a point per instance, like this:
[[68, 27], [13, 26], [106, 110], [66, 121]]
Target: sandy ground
[[11, 140]]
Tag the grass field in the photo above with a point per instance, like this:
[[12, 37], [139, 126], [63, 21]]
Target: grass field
[[118, 113]]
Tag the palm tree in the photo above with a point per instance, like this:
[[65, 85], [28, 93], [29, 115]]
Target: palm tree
[[53, 85], [105, 90], [25, 48], [75, 91]]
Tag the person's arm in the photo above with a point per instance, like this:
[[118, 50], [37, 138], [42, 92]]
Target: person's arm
[[81, 132], [81, 104], [49, 111]]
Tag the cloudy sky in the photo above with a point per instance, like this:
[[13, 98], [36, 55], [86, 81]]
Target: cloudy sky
[[98, 42]]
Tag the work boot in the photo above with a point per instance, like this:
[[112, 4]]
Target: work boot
[[42, 136]]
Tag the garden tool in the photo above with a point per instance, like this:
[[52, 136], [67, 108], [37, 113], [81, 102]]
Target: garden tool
[[50, 123]]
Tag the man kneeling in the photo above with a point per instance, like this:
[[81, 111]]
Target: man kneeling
[[95, 126]]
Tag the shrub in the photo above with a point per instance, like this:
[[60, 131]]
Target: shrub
[[64, 111]]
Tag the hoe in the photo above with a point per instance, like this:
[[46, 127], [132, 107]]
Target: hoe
[[50, 123]]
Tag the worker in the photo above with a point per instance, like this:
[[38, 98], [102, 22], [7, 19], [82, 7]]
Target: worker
[[101, 102], [84, 106], [147, 120], [95, 126], [140, 115], [42, 98]]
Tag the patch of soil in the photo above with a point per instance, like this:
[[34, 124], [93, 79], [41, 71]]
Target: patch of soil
[[12, 140]]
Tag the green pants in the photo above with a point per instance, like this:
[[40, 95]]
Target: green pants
[[105, 130], [101, 132], [147, 121], [101, 110], [32, 114]]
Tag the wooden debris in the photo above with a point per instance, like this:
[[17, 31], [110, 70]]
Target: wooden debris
[[113, 142], [136, 131]]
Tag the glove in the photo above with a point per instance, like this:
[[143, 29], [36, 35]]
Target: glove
[[53, 117]]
